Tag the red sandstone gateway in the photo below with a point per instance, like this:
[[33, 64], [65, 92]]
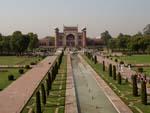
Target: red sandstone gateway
[[70, 37]]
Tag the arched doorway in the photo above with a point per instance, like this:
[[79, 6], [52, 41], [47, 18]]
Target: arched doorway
[[70, 40]]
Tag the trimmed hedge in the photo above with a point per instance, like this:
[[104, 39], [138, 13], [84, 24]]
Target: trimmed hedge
[[21, 71], [11, 77]]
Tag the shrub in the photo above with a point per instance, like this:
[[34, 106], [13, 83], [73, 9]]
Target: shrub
[[11, 77], [140, 69], [95, 59], [103, 65], [110, 70], [114, 72], [134, 85], [121, 62], [143, 93], [47, 87], [119, 78], [3, 70], [116, 60], [21, 71], [43, 94], [32, 63], [27, 66], [38, 103]]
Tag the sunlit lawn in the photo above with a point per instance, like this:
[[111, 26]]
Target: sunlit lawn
[[13, 60], [135, 59], [17, 60], [4, 82]]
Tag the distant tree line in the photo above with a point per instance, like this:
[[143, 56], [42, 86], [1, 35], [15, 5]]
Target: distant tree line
[[18, 43], [139, 43], [136, 43]]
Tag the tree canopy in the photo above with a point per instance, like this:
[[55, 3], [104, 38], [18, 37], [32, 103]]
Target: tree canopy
[[105, 36], [18, 43]]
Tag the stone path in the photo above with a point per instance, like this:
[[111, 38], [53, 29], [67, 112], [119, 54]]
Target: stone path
[[16, 95], [119, 105], [91, 97], [126, 72], [70, 100]]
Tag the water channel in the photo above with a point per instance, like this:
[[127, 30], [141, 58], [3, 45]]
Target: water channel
[[90, 97]]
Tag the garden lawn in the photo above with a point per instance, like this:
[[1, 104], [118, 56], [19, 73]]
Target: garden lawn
[[124, 90], [135, 59], [17, 60], [4, 82]]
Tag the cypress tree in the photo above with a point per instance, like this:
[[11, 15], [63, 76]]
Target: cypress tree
[[119, 78], [126, 80], [43, 94], [38, 103], [56, 68], [91, 57], [114, 72], [110, 70], [53, 73], [143, 93], [103, 65], [47, 87], [134, 84], [95, 59], [49, 80]]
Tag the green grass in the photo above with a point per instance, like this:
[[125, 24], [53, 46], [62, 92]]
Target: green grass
[[57, 96], [124, 90], [56, 99], [17, 60], [4, 82], [13, 60], [135, 59], [147, 70]]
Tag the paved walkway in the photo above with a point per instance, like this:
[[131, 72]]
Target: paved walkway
[[16, 95], [120, 106], [91, 98], [126, 72], [70, 100]]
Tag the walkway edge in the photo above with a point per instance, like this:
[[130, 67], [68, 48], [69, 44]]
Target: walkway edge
[[70, 100], [119, 105]]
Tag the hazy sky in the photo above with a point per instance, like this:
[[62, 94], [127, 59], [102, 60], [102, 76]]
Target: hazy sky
[[42, 16]]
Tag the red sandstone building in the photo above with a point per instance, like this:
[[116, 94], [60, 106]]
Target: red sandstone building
[[70, 37]]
